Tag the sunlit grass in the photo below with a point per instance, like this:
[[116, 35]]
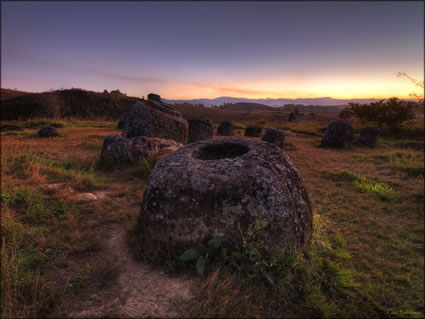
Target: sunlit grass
[[364, 184], [82, 176], [314, 281], [365, 258]]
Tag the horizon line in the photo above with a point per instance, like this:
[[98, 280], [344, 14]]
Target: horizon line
[[224, 96]]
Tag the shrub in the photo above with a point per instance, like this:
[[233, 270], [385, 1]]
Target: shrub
[[292, 116], [345, 114], [392, 113]]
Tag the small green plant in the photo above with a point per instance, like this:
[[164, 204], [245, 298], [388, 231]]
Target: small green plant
[[144, 167], [248, 258], [204, 254], [251, 256]]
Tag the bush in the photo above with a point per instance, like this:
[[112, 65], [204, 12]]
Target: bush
[[345, 114], [393, 113], [292, 116]]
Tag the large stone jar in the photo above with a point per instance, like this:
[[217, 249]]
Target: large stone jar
[[220, 187]]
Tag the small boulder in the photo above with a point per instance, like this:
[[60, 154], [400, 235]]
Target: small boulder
[[338, 134], [154, 97], [369, 136], [48, 131], [200, 129], [142, 146], [225, 129], [123, 119], [122, 150], [116, 149], [221, 186], [254, 131], [274, 136], [155, 119]]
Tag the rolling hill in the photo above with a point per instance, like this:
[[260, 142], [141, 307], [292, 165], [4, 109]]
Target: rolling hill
[[64, 103]]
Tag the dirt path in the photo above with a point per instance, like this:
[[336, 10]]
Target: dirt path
[[139, 291]]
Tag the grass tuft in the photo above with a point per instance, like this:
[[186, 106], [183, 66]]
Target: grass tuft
[[143, 168], [364, 184], [408, 162]]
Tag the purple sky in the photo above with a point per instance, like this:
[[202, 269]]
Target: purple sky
[[210, 49]]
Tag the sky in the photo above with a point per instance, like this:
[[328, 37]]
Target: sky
[[188, 50]]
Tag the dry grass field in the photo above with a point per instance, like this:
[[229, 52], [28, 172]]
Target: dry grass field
[[65, 220]]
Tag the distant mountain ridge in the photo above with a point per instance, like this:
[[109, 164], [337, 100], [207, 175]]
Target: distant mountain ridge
[[246, 106], [321, 101]]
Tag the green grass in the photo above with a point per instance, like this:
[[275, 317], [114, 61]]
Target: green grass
[[143, 168], [315, 281], [408, 162], [71, 164], [239, 126], [39, 123], [364, 184], [58, 171], [33, 205], [25, 292]]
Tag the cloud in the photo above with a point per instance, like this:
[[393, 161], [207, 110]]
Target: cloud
[[243, 91], [229, 90], [29, 58], [126, 77]]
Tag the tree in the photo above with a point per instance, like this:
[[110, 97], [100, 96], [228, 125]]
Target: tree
[[345, 114], [416, 82], [392, 113], [292, 116]]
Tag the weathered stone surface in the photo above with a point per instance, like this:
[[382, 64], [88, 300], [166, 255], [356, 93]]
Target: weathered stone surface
[[274, 136], [338, 134], [123, 150], [200, 129], [215, 186], [254, 131], [225, 129], [48, 131], [155, 119], [123, 119], [369, 136], [154, 97], [115, 148]]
